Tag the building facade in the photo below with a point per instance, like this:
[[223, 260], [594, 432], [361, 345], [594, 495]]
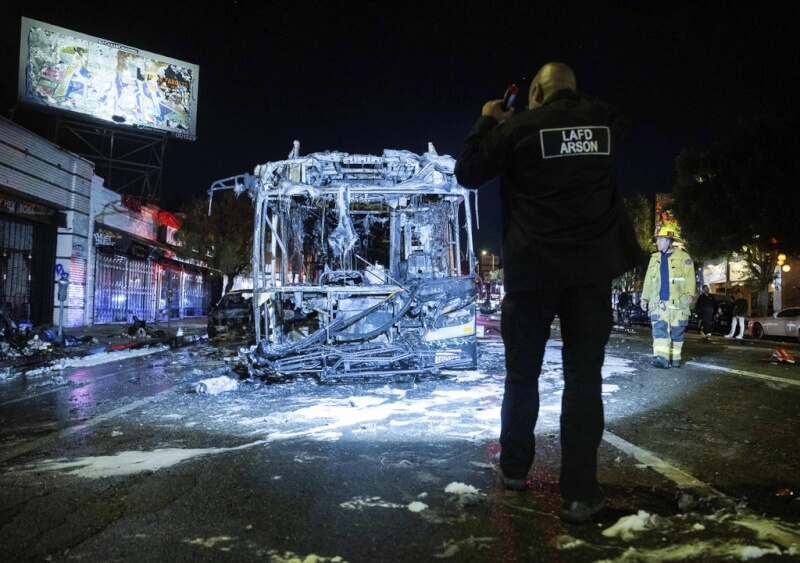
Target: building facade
[[61, 228], [137, 273], [45, 195]]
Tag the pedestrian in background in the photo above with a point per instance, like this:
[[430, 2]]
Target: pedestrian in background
[[740, 308], [704, 307], [668, 292], [565, 237]]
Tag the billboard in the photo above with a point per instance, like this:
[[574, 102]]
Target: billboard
[[71, 71]]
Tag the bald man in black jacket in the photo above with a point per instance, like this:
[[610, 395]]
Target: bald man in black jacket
[[565, 237]]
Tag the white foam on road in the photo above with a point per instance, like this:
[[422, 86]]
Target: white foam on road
[[129, 462]]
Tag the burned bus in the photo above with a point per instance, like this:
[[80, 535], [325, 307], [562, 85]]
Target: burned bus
[[363, 265]]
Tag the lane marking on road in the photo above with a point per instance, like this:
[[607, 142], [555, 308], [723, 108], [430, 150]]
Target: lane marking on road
[[55, 436], [681, 478], [780, 532], [745, 373]]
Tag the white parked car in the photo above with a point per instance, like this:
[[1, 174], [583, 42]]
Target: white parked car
[[785, 324]]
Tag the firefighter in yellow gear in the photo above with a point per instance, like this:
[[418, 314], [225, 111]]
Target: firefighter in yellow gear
[[668, 292]]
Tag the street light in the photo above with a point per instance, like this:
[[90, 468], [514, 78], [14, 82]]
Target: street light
[[484, 253], [488, 282]]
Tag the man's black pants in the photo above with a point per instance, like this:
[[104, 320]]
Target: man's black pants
[[585, 317], [708, 320]]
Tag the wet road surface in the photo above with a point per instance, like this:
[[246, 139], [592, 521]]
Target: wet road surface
[[126, 462]]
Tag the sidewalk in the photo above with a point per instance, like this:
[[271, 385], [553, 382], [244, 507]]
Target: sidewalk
[[88, 340]]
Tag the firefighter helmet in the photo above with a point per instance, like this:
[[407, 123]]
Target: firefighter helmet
[[668, 230]]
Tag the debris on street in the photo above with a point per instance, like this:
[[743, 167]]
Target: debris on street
[[216, 385], [782, 355]]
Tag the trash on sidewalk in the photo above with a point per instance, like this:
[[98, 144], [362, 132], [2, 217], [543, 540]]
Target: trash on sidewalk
[[139, 330], [34, 346], [216, 385]]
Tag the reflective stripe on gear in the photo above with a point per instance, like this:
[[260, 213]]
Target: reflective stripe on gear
[[669, 327]]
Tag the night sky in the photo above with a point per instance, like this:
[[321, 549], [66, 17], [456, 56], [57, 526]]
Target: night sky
[[359, 77]]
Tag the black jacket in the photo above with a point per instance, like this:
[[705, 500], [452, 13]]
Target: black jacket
[[564, 224], [705, 303], [740, 307]]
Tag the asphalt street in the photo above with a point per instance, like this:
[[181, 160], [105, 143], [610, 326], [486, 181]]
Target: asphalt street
[[127, 461]]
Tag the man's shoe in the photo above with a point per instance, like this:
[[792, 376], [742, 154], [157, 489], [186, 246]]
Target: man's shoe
[[739, 337], [660, 362], [577, 512], [514, 484], [728, 336], [676, 363]]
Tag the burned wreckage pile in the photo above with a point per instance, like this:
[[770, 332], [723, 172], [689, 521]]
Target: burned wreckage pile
[[362, 266]]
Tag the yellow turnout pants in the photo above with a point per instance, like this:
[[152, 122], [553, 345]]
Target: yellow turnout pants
[[669, 326]]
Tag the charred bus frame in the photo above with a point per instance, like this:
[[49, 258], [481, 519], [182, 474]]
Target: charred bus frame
[[362, 265]]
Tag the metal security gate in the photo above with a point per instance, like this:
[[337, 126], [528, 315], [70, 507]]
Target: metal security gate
[[123, 289], [141, 296], [193, 295], [109, 297], [15, 270], [27, 255], [169, 292], [126, 287]]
